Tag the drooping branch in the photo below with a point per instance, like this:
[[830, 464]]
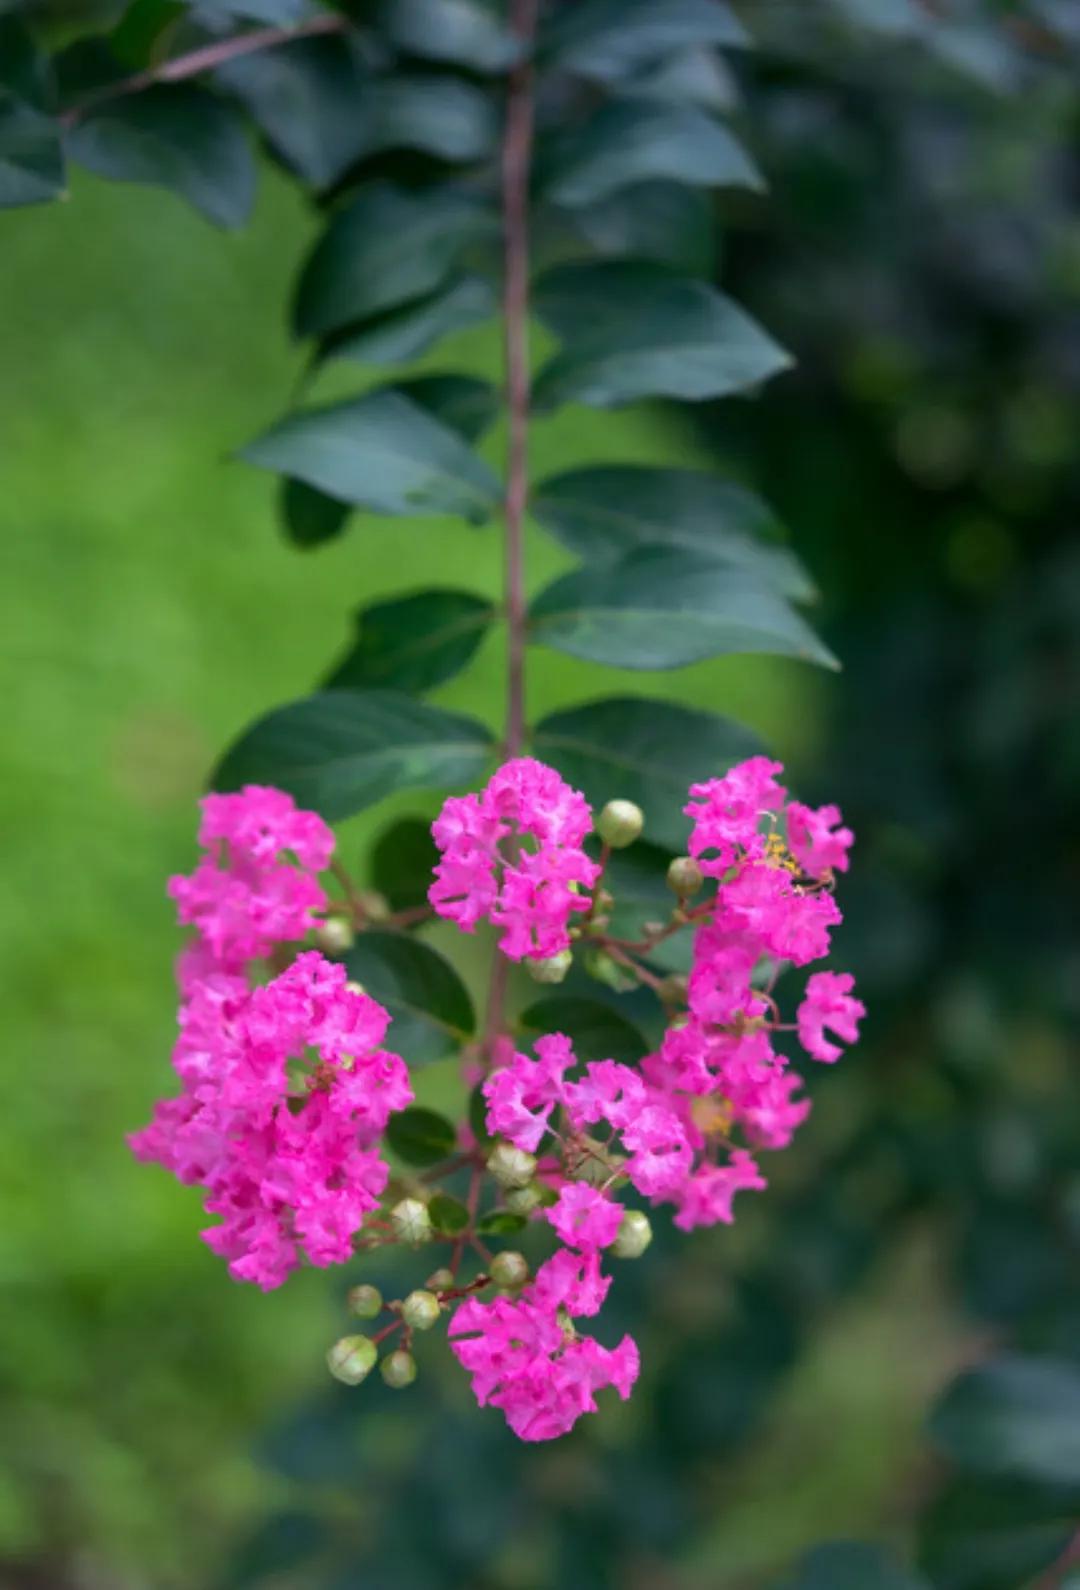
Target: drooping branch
[[205, 59]]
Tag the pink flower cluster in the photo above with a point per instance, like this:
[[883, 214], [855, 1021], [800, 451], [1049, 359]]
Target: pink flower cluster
[[512, 855], [286, 1089]]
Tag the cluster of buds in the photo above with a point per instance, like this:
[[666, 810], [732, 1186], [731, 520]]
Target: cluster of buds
[[287, 1091]]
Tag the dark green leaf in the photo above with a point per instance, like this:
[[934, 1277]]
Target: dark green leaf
[[404, 334], [1015, 1416], [645, 751], [314, 101], [415, 643], [380, 451], [501, 1223], [853, 1566], [634, 330], [610, 39], [604, 513], [420, 1137], [469, 32], [478, 1115], [637, 877], [430, 1009], [387, 247], [448, 1215], [696, 77], [276, 13], [310, 517], [630, 141], [179, 137], [599, 1032], [995, 1535], [662, 221], [463, 402], [402, 863], [283, 1542], [658, 609], [31, 159], [443, 116], [343, 750]]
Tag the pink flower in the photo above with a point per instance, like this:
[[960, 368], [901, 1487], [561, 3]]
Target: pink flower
[[814, 839], [584, 1217], [290, 1169], [245, 896], [707, 1196], [490, 871], [525, 1357], [829, 1004], [728, 810]]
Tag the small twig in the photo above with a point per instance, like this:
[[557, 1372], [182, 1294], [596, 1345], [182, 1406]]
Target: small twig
[[204, 59]]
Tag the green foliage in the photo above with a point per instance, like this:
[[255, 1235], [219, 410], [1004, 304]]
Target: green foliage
[[413, 644], [1016, 1416], [428, 1003], [420, 1137]]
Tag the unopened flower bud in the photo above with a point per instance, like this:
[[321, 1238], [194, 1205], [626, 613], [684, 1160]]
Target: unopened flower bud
[[411, 1221], [620, 823], [673, 988], [510, 1166], [421, 1310], [551, 968], [398, 1369], [635, 1234], [509, 1269], [523, 1200], [334, 936], [364, 1301], [684, 877], [375, 906], [352, 1359], [441, 1280], [354, 987]]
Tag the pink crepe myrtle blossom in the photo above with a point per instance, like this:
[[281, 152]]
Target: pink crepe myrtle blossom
[[512, 855], [829, 1004]]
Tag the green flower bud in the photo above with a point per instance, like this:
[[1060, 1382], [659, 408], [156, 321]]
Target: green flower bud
[[364, 1301], [551, 969], [441, 1280], [421, 1310], [509, 1269], [334, 936], [411, 1221], [599, 964], [510, 1166], [523, 1200], [352, 1359], [375, 907], [398, 1369], [673, 988], [684, 877], [354, 987], [635, 1234], [620, 823]]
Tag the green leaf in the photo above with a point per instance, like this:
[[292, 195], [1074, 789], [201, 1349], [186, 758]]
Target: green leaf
[[469, 32], [637, 877], [443, 116], [695, 77], [31, 158], [629, 141], [380, 451], [463, 402], [342, 750], [599, 1032], [478, 1115], [661, 221], [851, 1565], [178, 137], [403, 862], [310, 517], [1017, 1416], [657, 609], [313, 100], [414, 643], [448, 1215], [611, 39], [501, 1223], [275, 13], [431, 1012], [386, 247], [404, 334], [604, 513], [633, 330], [646, 751], [420, 1137], [995, 1535]]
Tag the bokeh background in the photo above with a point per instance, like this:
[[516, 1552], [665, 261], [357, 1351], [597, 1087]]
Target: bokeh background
[[920, 253]]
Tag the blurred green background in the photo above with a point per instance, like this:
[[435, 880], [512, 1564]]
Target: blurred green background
[[920, 253]]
